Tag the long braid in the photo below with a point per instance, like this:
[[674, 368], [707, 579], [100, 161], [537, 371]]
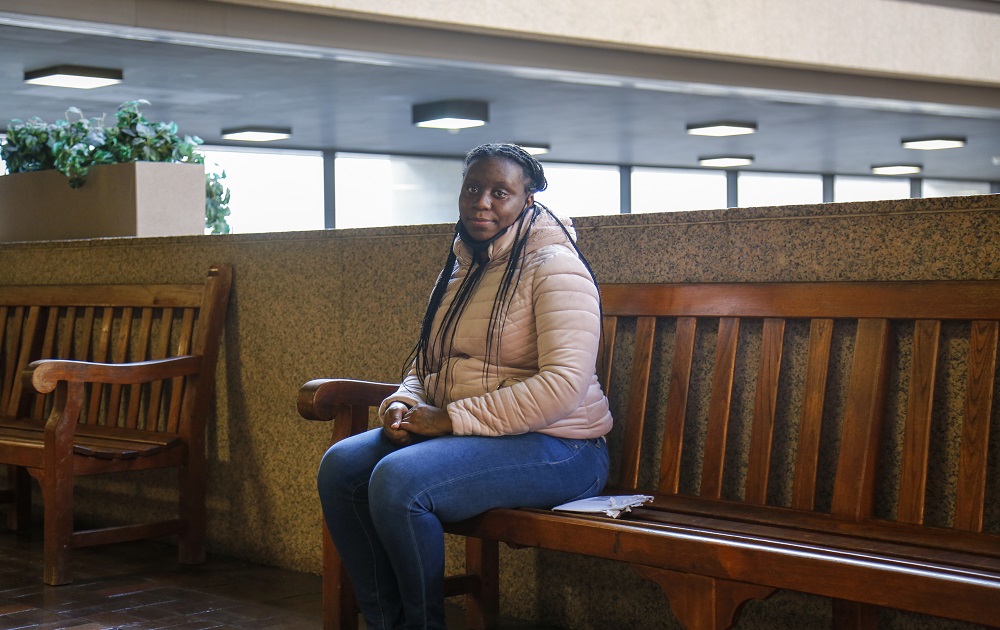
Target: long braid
[[505, 293], [419, 354]]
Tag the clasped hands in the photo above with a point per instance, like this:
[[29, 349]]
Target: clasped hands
[[404, 426]]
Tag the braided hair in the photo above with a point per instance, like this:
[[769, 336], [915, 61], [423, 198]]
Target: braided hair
[[426, 348]]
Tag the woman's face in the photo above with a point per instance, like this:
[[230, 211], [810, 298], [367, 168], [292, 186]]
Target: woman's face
[[494, 192]]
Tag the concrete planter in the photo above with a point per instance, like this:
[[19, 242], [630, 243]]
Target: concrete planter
[[134, 199]]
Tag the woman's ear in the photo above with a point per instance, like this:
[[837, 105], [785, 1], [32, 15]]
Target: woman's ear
[[530, 201]]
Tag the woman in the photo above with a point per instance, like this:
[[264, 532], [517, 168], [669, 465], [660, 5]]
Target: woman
[[499, 407]]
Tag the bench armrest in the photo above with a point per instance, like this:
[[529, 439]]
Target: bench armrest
[[43, 375], [319, 399]]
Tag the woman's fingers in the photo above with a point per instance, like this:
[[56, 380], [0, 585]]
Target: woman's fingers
[[426, 420]]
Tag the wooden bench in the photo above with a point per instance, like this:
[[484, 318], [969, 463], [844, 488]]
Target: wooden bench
[[103, 379], [828, 438]]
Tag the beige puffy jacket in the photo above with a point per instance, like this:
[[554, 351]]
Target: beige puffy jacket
[[546, 380]]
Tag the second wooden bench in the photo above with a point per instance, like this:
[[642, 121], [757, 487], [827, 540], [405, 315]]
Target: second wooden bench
[[106, 379]]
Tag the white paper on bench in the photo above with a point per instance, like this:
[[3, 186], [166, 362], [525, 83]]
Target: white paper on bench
[[613, 506]]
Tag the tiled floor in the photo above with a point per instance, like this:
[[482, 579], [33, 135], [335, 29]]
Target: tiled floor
[[142, 586]]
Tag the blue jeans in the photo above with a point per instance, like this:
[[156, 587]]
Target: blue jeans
[[384, 506]]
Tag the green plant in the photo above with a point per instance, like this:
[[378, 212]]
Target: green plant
[[75, 144], [26, 148], [216, 203]]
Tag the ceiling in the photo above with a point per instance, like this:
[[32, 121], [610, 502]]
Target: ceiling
[[623, 108]]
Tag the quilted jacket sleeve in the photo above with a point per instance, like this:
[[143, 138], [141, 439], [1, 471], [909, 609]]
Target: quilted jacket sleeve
[[410, 393], [567, 324]]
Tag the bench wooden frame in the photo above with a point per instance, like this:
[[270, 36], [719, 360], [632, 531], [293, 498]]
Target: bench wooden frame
[[713, 540], [101, 379]]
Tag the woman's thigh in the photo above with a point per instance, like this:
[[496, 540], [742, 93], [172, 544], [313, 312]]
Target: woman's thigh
[[349, 463], [457, 477]]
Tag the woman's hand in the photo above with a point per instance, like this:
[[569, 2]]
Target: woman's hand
[[424, 419], [390, 425]]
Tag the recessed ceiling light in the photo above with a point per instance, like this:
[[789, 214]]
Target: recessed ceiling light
[[453, 114], [257, 134], [534, 148], [933, 144], [76, 77], [721, 129], [897, 169], [726, 161]]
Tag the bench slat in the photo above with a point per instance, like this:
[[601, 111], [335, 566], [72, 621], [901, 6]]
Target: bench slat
[[765, 409], [635, 415], [734, 514], [175, 295], [811, 420], [677, 402], [837, 300], [119, 354], [972, 463], [48, 343], [139, 352], [917, 430], [24, 357], [4, 350], [177, 388], [863, 414], [100, 356], [606, 353], [719, 407], [159, 352], [100, 443], [8, 354]]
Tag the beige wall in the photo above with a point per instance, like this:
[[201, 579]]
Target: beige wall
[[946, 40], [348, 302]]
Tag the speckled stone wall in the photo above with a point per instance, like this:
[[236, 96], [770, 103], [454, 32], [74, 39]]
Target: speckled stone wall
[[347, 303]]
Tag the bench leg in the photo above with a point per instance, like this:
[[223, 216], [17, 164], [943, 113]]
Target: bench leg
[[703, 603], [849, 615], [340, 608], [191, 508], [482, 606], [57, 499]]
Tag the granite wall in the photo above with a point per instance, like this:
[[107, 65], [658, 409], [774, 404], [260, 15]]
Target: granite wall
[[347, 303]]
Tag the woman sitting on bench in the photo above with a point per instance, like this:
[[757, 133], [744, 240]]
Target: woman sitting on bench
[[500, 405]]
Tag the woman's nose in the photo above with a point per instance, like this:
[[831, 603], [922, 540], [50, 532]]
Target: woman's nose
[[481, 201]]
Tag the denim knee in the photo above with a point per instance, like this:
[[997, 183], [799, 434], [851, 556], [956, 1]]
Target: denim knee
[[395, 490], [326, 476]]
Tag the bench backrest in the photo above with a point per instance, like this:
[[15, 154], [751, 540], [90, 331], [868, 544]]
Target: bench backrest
[[114, 324], [856, 400]]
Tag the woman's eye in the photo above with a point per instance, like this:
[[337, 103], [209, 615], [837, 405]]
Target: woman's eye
[[501, 194]]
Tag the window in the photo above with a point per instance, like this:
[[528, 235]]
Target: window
[[778, 189], [577, 190], [271, 191], [870, 188], [672, 190], [382, 190], [952, 188]]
